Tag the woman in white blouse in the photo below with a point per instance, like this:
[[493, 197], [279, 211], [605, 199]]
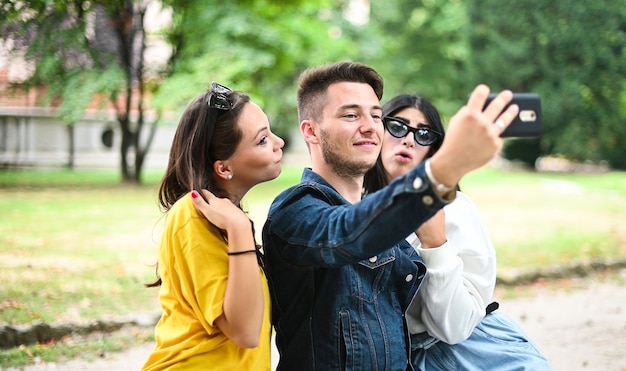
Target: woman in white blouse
[[452, 319]]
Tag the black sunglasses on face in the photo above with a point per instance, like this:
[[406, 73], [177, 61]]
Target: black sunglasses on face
[[400, 128]]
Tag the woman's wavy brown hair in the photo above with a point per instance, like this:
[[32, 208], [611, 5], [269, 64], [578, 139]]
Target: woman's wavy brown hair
[[202, 137]]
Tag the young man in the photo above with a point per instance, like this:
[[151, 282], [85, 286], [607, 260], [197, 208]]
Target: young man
[[341, 274]]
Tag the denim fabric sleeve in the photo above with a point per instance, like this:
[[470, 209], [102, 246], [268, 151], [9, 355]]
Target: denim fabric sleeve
[[312, 225]]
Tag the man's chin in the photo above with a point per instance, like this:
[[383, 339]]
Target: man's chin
[[353, 170]]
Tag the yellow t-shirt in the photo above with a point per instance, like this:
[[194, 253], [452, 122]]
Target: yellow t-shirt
[[193, 266]]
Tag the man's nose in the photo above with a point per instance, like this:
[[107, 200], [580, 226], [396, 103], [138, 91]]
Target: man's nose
[[370, 124]]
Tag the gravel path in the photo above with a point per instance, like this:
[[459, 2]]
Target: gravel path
[[577, 328], [579, 324]]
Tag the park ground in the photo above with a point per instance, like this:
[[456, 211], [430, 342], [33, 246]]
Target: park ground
[[578, 323]]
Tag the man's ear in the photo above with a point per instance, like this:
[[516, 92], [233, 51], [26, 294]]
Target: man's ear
[[310, 132], [222, 169]]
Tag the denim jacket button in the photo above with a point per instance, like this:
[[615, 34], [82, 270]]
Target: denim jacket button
[[427, 200], [417, 183], [409, 278], [373, 259]]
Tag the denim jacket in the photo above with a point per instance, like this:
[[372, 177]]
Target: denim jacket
[[341, 275]]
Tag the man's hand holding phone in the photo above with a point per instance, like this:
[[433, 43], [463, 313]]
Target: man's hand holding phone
[[473, 138], [527, 123]]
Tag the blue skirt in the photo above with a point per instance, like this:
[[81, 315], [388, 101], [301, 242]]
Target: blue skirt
[[497, 343]]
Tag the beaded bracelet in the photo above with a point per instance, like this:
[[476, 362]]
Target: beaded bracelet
[[241, 252], [438, 186]]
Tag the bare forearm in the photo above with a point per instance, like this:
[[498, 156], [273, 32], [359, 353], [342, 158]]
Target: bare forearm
[[243, 300]]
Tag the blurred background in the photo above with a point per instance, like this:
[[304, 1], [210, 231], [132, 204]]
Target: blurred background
[[88, 83], [91, 93]]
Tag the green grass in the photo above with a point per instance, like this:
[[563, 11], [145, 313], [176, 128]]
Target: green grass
[[68, 178], [75, 246], [72, 254], [78, 245], [89, 348], [541, 219]]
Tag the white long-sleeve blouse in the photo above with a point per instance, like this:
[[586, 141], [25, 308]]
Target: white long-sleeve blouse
[[460, 279]]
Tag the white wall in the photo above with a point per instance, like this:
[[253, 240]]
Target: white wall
[[40, 140], [37, 139]]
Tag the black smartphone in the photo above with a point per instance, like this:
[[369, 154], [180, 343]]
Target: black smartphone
[[527, 123]]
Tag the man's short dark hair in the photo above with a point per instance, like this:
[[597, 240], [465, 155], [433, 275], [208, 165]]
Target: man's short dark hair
[[314, 82]]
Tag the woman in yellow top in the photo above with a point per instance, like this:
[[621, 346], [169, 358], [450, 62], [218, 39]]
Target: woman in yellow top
[[213, 290]]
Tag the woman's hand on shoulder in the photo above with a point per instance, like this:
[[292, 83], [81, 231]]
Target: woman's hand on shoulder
[[219, 211]]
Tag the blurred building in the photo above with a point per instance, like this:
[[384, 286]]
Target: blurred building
[[32, 136]]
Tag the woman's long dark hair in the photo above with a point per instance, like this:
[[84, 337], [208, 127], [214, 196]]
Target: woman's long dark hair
[[202, 137], [377, 177]]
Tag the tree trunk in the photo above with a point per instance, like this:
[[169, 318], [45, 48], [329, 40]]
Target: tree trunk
[[128, 175], [71, 146]]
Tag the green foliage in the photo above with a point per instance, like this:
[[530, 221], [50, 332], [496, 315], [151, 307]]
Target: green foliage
[[572, 53], [258, 47], [82, 85], [422, 49], [54, 36], [525, 150], [84, 52]]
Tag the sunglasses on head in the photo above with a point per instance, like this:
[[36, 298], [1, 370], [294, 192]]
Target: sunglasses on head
[[219, 101], [400, 128], [220, 97]]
